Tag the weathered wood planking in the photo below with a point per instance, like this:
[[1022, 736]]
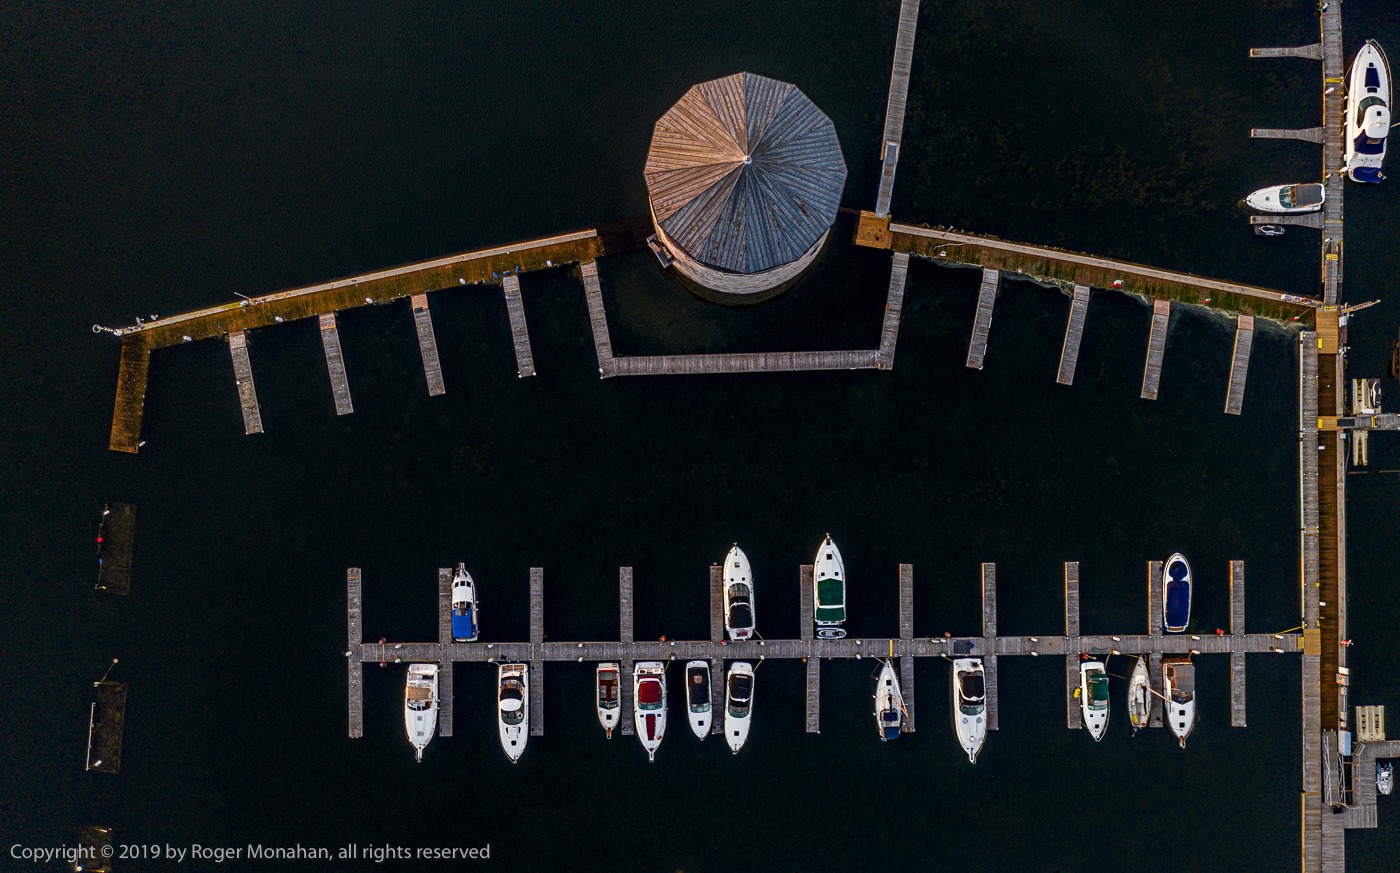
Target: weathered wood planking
[[755, 362], [906, 601], [598, 319], [894, 307], [1074, 335], [716, 603], [243, 377], [906, 687], [1307, 464], [814, 695], [1310, 52], [129, 407], [1071, 598], [982, 322], [445, 698], [1155, 606], [427, 344], [989, 680], [115, 538], [806, 627], [354, 621], [1239, 364], [898, 100], [1154, 675], [519, 330], [989, 600], [536, 655], [1334, 112], [1074, 718], [1156, 348], [624, 604], [624, 681], [1306, 134], [335, 364]]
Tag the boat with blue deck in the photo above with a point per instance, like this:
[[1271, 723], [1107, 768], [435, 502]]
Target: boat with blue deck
[[1176, 594], [464, 626]]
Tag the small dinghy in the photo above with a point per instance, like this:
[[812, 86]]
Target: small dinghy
[[609, 704], [738, 709], [1139, 696], [1288, 199], [697, 696], [1269, 230], [889, 704], [420, 706], [1093, 697]]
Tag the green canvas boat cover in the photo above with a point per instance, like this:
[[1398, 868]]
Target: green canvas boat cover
[[831, 592], [1098, 687], [831, 613]]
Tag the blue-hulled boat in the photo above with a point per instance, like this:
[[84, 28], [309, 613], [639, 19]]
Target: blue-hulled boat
[[1176, 594], [464, 627]]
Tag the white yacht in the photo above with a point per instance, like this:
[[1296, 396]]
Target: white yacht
[[1176, 594], [1139, 695], [1368, 114], [649, 709], [609, 703], [889, 704], [970, 705], [464, 626], [1288, 199], [738, 707], [1093, 697], [1385, 777], [829, 591], [513, 708], [420, 706], [697, 696], [738, 595], [1179, 677]]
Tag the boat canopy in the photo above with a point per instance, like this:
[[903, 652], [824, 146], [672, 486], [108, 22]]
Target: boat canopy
[[1289, 197], [970, 687], [1178, 603], [740, 686], [1098, 688], [649, 694], [740, 615], [699, 686], [831, 593], [1183, 680]]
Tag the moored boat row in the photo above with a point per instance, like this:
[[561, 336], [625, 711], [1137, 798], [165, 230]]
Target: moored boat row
[[828, 593]]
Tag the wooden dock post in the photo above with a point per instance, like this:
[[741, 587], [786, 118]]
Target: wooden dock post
[[598, 319], [716, 604], [1156, 348], [989, 635], [243, 377], [1237, 660], [906, 637], [519, 331], [1074, 717], [894, 307], [427, 344], [335, 364], [356, 670], [1239, 364], [982, 322], [536, 655], [1074, 334], [895, 106]]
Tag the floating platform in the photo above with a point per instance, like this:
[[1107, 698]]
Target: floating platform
[[898, 99], [335, 364], [106, 724], [1156, 348], [519, 331], [1074, 335], [95, 850], [1239, 364], [982, 321], [243, 378], [115, 537]]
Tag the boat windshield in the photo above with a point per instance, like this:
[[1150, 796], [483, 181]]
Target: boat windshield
[[971, 693], [740, 694], [649, 694], [463, 608]]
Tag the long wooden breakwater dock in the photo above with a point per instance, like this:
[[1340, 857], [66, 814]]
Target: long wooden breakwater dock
[[990, 645]]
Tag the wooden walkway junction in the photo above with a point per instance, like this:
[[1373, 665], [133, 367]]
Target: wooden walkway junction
[[990, 645], [413, 281], [895, 107]]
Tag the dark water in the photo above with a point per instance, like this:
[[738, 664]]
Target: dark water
[[160, 158]]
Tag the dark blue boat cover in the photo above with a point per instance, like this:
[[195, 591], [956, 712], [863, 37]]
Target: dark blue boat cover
[[1367, 174], [1178, 603], [464, 626]]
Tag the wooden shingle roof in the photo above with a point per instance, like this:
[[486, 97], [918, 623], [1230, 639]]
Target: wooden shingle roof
[[745, 173]]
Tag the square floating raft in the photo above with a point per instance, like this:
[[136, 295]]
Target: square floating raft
[[114, 542], [105, 727]]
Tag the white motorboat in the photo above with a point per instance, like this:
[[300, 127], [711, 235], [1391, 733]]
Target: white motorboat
[[1176, 594], [1288, 199], [609, 702], [970, 705], [1139, 695], [513, 708], [649, 710], [889, 704], [1368, 114], [1179, 678], [420, 706], [1385, 777], [697, 697], [738, 707], [1093, 697], [738, 595], [464, 625], [829, 591]]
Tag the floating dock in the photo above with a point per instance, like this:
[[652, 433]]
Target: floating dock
[[894, 308], [106, 724], [95, 850], [895, 106], [243, 378], [1156, 349], [1074, 335], [427, 344], [982, 321], [335, 364], [115, 537], [519, 331], [598, 318], [1239, 364]]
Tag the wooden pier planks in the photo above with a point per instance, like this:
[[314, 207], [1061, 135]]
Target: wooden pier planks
[[1239, 364], [906, 687], [445, 606], [739, 362], [1074, 716], [335, 364], [806, 621], [716, 603], [624, 604], [519, 331], [989, 633], [1310, 52], [445, 696], [982, 323], [1334, 108], [1154, 675], [894, 307], [354, 621], [898, 98], [243, 377], [1156, 348], [1074, 335], [906, 635], [814, 694], [598, 319], [536, 655], [1309, 530], [130, 405], [1237, 659], [1306, 134], [115, 537], [1071, 599], [626, 719], [717, 696], [427, 344], [1154, 598]]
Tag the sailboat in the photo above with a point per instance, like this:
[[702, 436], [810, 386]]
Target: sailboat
[[697, 696], [1139, 695], [649, 692], [1093, 697], [1368, 114], [513, 708], [1179, 677], [829, 591], [420, 706], [738, 709], [609, 706], [889, 704], [970, 705]]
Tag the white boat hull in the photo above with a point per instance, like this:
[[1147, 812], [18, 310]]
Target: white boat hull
[[1182, 717], [421, 689], [969, 715], [1179, 687], [1095, 712], [1274, 200], [513, 708], [699, 718], [736, 722], [889, 704], [828, 565], [608, 715], [1140, 696], [738, 572], [649, 704], [1369, 110]]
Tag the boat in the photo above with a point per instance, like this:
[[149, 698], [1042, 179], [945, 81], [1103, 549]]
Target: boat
[[970, 705], [1395, 359], [738, 706], [609, 704], [1176, 594], [1269, 230], [1179, 677], [649, 715], [1385, 777], [464, 626], [889, 704], [1139, 696], [829, 591], [420, 706], [1093, 697], [1288, 199], [738, 595], [1368, 114], [513, 708], [697, 696]]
